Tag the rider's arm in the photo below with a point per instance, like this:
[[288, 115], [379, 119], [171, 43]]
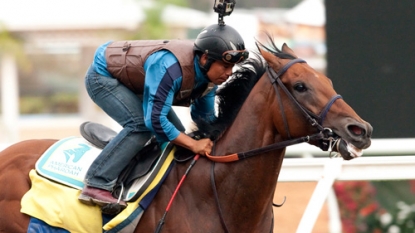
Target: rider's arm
[[163, 79]]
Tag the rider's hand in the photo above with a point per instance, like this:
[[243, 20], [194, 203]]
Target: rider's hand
[[200, 147]]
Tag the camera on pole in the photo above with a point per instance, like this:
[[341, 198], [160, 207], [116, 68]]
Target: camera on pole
[[223, 8]]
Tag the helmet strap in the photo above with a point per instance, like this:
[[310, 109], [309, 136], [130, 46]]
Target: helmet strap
[[205, 68]]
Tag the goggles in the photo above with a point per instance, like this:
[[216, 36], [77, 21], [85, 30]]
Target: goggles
[[234, 56]]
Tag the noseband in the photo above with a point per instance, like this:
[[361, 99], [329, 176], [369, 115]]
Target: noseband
[[315, 120]]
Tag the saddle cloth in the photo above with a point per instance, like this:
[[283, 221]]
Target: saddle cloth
[[66, 162]]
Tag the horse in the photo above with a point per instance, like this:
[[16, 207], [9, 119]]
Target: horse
[[272, 101]]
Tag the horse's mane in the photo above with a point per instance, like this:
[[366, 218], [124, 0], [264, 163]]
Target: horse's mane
[[273, 48], [232, 94]]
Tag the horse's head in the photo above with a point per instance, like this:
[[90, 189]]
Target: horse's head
[[302, 90]]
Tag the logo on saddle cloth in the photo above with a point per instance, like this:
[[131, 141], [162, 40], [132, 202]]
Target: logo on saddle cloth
[[76, 153], [68, 160]]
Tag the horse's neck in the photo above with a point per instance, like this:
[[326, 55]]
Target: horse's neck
[[255, 177], [253, 127]]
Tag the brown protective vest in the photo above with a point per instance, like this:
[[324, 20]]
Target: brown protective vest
[[125, 62]]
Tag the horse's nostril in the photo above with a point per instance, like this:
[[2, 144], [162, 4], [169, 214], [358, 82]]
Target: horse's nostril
[[356, 130]]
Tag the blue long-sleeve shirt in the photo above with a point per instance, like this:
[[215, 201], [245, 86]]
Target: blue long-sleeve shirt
[[163, 78]]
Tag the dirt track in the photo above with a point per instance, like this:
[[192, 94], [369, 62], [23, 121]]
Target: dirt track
[[289, 215]]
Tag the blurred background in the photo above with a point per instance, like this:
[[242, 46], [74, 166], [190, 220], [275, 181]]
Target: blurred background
[[47, 46], [365, 47]]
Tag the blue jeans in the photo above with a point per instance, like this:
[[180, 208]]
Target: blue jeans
[[125, 107]]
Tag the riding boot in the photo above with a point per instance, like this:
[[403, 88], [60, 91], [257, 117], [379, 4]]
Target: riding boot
[[102, 198]]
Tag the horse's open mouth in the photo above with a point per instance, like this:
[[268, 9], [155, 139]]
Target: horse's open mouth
[[348, 151]]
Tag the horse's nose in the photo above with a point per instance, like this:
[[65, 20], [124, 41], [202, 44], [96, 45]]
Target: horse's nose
[[360, 133]]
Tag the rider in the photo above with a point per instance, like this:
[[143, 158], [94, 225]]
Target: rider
[[137, 82]]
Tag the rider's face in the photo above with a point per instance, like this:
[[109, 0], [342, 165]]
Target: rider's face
[[219, 71]]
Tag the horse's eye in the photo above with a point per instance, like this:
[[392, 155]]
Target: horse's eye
[[300, 87]]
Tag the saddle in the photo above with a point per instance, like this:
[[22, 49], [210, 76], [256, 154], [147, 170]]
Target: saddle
[[139, 173], [68, 160]]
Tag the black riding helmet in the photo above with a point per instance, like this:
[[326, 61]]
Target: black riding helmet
[[220, 42]]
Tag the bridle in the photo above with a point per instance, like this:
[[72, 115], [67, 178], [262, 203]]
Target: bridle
[[324, 134], [315, 120]]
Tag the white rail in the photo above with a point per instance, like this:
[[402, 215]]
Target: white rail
[[388, 146], [364, 168], [398, 164]]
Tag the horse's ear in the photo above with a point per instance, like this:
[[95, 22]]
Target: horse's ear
[[288, 50], [265, 54]]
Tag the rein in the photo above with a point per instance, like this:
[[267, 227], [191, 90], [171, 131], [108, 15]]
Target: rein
[[253, 152], [315, 120]]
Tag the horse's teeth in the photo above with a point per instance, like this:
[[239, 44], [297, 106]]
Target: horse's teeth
[[355, 152]]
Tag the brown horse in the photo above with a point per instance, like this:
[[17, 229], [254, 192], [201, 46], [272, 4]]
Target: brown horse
[[269, 104]]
